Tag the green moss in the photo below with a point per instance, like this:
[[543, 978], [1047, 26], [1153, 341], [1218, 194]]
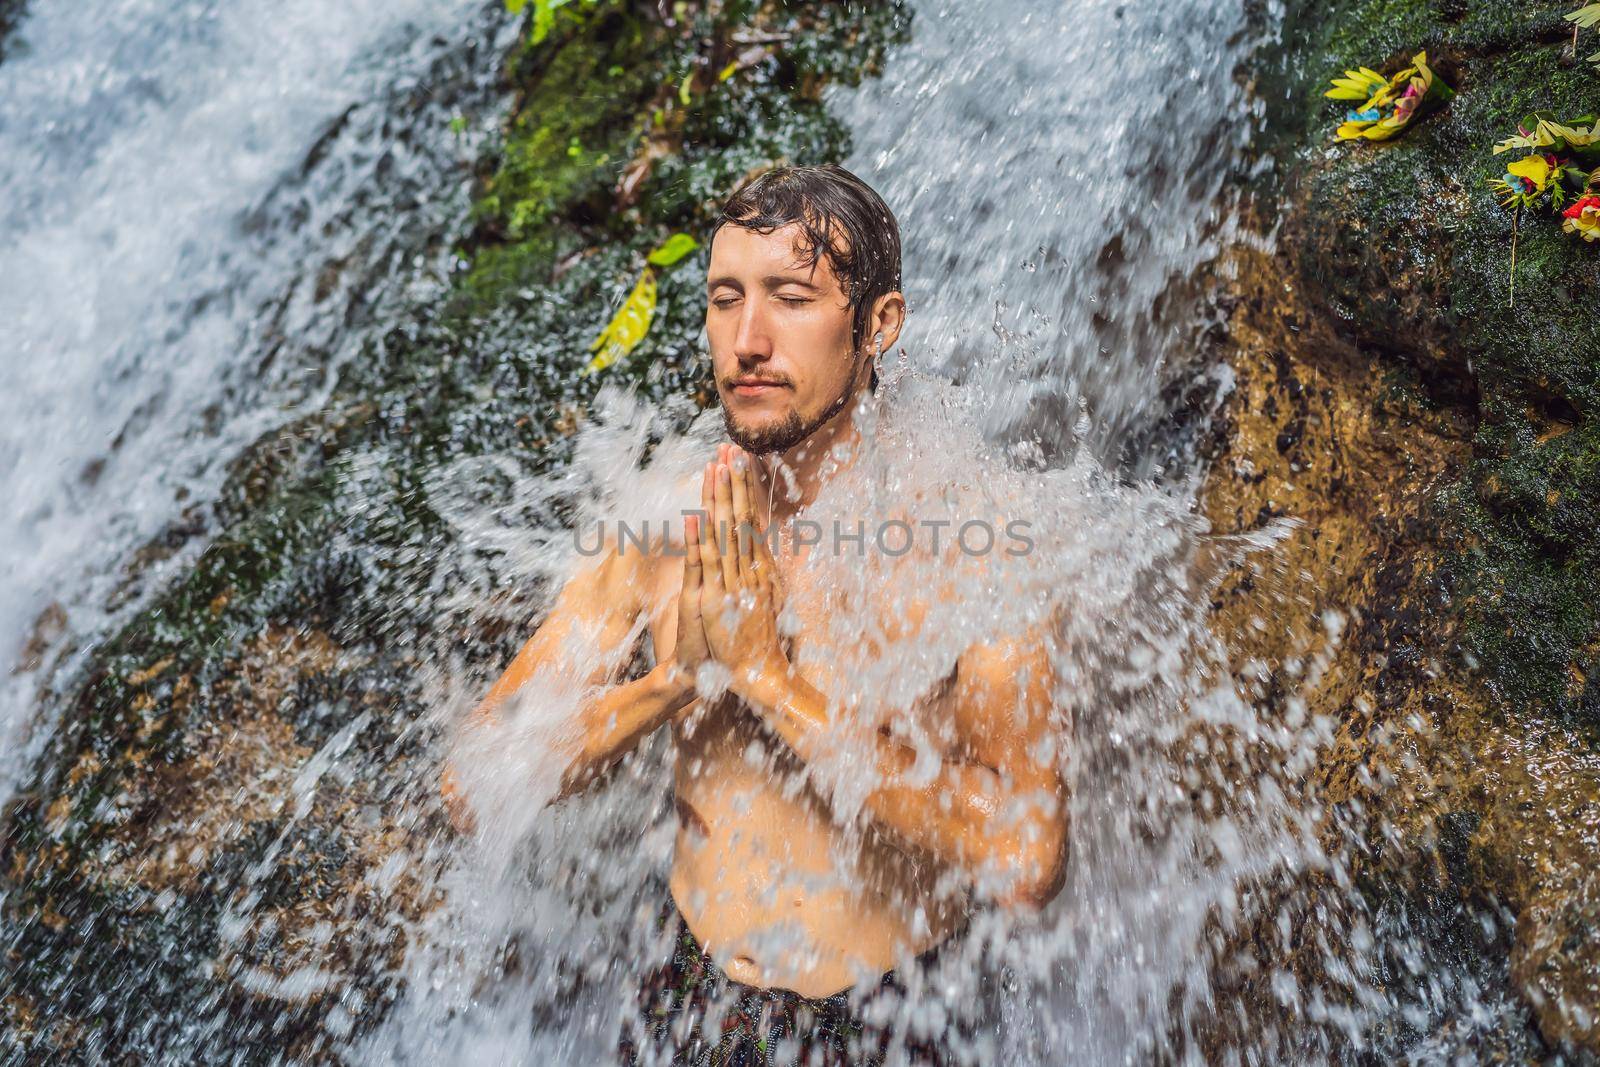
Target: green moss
[[1527, 565], [1404, 241], [582, 95], [342, 533]]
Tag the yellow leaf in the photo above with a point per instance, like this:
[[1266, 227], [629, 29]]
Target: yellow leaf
[[1357, 85], [1514, 142], [1575, 135], [1344, 89], [627, 327]]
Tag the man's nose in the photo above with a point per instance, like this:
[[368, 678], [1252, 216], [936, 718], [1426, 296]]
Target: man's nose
[[753, 343]]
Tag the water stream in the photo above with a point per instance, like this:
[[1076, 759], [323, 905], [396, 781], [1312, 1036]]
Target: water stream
[[206, 212], [203, 212]]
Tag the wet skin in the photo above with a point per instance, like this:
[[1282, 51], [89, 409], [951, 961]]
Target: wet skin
[[763, 873]]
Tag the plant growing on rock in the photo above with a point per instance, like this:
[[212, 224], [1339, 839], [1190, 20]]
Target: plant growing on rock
[[1409, 95], [1562, 162], [544, 14], [1582, 19]]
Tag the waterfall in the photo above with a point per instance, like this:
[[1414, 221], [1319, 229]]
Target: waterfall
[[209, 214], [201, 205]]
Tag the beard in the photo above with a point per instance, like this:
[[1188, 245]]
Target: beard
[[774, 437], [780, 436]]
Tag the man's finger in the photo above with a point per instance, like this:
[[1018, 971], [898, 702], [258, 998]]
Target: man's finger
[[727, 547], [705, 551], [766, 569], [743, 517], [753, 488], [691, 557]]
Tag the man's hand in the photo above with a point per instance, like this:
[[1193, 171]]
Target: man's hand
[[740, 596], [691, 651]]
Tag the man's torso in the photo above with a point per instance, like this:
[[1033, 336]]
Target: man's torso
[[762, 874]]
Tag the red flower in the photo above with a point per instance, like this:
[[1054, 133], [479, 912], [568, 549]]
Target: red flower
[[1578, 206]]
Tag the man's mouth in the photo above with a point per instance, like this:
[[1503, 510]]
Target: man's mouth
[[753, 386]]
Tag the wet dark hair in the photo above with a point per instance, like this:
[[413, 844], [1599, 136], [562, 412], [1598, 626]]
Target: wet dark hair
[[827, 202]]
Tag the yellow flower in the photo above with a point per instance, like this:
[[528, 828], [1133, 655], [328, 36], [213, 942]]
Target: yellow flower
[[1533, 169]]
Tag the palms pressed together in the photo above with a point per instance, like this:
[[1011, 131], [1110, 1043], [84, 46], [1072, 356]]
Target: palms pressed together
[[730, 598]]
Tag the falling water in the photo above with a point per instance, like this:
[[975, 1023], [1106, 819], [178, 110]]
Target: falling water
[[218, 210], [201, 206], [1057, 200], [1059, 172]]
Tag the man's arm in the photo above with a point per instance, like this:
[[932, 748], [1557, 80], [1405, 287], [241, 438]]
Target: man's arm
[[996, 804], [585, 631]]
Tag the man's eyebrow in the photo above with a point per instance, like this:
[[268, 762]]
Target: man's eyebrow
[[771, 281]]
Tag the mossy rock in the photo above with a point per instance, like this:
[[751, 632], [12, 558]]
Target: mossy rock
[[1405, 242], [141, 921], [1470, 572]]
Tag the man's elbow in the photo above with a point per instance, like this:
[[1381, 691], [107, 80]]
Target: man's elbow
[[1038, 871], [455, 801]]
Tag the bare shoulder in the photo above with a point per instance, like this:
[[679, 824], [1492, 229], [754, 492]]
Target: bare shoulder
[[638, 561], [614, 574]]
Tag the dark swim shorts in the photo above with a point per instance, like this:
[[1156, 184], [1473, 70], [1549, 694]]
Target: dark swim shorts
[[691, 1014]]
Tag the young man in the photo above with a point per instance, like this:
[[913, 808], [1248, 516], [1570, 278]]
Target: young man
[[802, 298]]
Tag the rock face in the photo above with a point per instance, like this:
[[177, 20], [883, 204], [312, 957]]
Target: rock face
[[218, 852], [1441, 446]]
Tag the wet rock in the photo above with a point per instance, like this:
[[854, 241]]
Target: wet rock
[[228, 840], [1440, 445]]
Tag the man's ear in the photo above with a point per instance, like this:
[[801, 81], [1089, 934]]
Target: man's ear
[[887, 317]]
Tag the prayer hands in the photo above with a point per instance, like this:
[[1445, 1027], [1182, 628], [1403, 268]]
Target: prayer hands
[[731, 591]]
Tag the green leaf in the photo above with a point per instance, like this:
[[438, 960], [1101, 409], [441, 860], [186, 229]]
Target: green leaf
[[544, 16], [1585, 16], [673, 249], [515, 6]]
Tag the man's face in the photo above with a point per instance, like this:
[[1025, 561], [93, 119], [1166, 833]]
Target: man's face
[[780, 338]]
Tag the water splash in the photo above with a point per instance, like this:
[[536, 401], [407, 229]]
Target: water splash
[[570, 891], [200, 208], [1196, 852]]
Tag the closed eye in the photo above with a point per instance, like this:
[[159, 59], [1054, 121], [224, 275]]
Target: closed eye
[[790, 301]]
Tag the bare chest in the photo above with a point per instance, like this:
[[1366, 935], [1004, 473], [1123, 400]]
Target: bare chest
[[852, 639]]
